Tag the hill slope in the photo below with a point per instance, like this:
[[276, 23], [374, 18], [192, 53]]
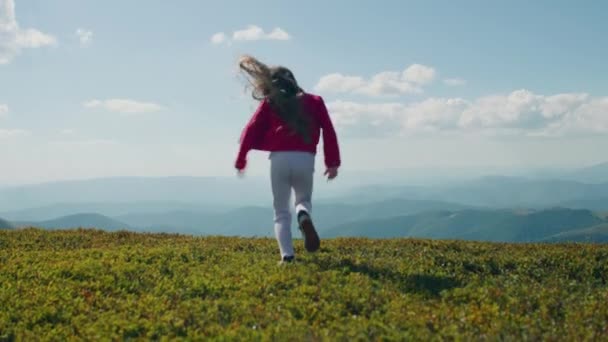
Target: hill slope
[[110, 209], [5, 224], [210, 191], [487, 225], [86, 284], [84, 220], [492, 191], [600, 204], [593, 174], [597, 234]]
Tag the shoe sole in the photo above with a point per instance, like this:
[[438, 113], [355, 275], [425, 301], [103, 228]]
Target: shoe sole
[[311, 238]]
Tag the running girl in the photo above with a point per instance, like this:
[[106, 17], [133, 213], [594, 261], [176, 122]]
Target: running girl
[[288, 124]]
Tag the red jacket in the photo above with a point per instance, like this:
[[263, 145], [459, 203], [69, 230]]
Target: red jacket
[[266, 131]]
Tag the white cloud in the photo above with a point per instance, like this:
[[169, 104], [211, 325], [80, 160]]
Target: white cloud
[[31, 38], [520, 112], [85, 36], [218, 38], [3, 110], [345, 113], [278, 34], [67, 131], [13, 39], [433, 114], [92, 103], [339, 83], [558, 105], [500, 110], [581, 118], [419, 74], [386, 83], [365, 120], [13, 133], [454, 82], [125, 106], [251, 33]]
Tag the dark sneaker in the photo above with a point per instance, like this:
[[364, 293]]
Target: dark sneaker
[[288, 259], [311, 239]]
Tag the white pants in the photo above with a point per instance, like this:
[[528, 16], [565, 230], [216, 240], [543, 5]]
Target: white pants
[[290, 170]]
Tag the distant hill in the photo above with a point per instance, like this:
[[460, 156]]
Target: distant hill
[[250, 221], [597, 233], [349, 220], [178, 220], [246, 221], [131, 195], [600, 204], [492, 191], [208, 191], [515, 192], [5, 224], [379, 220], [593, 174], [85, 220], [110, 209], [331, 214], [487, 225], [525, 225]]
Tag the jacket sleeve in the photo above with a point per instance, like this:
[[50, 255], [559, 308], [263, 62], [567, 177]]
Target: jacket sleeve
[[330, 140], [251, 134]]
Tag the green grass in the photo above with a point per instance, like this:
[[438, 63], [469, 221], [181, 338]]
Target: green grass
[[88, 284]]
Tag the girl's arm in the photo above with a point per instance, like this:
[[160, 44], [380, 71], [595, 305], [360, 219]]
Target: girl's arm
[[330, 140], [251, 134]]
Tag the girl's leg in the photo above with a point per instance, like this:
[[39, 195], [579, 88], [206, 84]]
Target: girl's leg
[[303, 167], [280, 175], [302, 180]]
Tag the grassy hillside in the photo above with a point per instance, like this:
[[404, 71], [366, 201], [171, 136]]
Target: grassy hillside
[[94, 284]]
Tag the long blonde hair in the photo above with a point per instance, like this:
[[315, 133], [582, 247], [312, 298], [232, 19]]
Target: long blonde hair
[[279, 86]]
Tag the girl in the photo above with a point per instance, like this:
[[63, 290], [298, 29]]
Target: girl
[[288, 124]]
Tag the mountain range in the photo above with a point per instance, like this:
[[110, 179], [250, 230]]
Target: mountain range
[[82, 220], [488, 208], [222, 193], [598, 234], [555, 224], [472, 224]]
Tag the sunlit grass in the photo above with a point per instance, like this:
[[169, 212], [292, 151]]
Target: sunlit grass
[[92, 284]]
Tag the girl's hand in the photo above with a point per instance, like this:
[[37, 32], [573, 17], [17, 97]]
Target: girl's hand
[[331, 173], [240, 165]]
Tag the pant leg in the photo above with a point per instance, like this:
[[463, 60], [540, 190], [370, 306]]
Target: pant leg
[[303, 167], [280, 176]]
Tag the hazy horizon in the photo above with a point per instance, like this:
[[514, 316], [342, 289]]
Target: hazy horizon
[[362, 177]]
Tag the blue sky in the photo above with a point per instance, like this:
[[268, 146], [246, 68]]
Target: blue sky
[[140, 88]]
